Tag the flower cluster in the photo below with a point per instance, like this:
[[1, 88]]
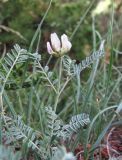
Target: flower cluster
[[58, 47]]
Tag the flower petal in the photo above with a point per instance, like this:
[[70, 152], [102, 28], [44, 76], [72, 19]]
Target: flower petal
[[66, 44], [49, 48], [55, 42]]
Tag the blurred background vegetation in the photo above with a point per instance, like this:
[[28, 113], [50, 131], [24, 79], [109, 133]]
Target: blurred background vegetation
[[19, 20]]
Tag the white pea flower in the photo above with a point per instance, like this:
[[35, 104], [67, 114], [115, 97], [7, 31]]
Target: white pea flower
[[61, 154], [49, 48], [69, 156], [66, 44], [55, 42], [58, 47]]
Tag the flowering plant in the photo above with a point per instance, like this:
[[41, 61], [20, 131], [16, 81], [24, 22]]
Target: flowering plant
[[58, 47]]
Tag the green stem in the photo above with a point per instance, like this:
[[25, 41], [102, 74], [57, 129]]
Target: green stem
[[37, 33], [59, 84], [111, 57], [47, 77], [68, 79], [81, 19]]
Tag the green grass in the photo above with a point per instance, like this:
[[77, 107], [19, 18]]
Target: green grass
[[36, 100]]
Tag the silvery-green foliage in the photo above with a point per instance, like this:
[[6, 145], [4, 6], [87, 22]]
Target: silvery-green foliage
[[46, 74], [56, 127], [18, 131], [69, 65], [61, 154], [53, 123], [7, 153], [72, 68], [75, 124], [93, 57], [16, 56]]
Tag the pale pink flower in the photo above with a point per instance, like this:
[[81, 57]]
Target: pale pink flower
[[58, 47]]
